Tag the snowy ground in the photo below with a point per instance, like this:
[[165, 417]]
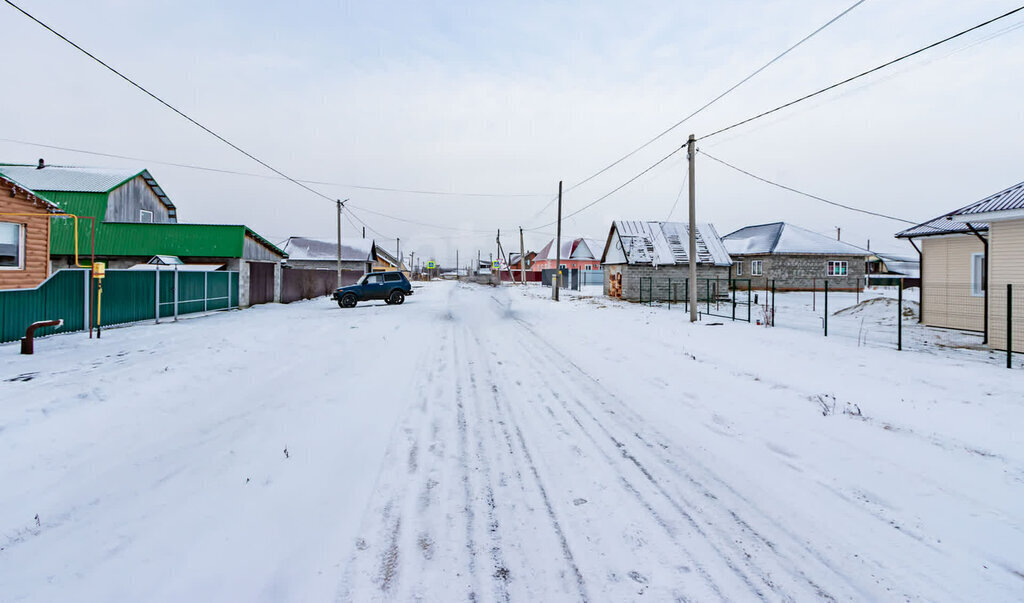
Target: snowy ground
[[487, 444]]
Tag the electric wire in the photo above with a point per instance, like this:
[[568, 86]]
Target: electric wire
[[271, 177], [799, 192], [717, 98], [679, 196], [611, 192], [864, 73]]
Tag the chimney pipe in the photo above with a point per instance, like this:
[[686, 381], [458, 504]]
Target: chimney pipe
[[41, 165]]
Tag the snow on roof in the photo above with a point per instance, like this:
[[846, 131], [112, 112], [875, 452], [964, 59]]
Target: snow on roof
[[50, 205], [781, 237], [667, 243], [309, 248], [62, 178], [577, 248]]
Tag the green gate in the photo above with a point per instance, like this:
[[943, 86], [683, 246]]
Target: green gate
[[128, 296]]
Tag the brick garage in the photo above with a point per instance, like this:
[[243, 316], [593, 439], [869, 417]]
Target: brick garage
[[24, 239]]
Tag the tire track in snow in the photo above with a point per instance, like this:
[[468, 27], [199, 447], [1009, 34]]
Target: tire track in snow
[[633, 424]]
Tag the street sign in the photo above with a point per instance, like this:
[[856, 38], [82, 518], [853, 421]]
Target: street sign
[[431, 265], [495, 264]]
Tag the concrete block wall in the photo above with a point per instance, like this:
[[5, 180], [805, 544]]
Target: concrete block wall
[[663, 278], [804, 272]]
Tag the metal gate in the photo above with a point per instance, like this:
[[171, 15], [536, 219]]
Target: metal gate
[[261, 283]]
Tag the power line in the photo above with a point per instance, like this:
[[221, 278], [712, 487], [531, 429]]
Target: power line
[[613, 191], [168, 105], [815, 197], [416, 222], [267, 176], [864, 73], [679, 196], [712, 101]]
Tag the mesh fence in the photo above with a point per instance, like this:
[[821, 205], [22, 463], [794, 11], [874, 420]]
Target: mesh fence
[[949, 318]]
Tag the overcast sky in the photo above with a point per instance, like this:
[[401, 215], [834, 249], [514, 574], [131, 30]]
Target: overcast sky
[[511, 97]]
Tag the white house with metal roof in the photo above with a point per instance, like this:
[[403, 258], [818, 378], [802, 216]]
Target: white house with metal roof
[[968, 257], [322, 254], [795, 259], [643, 259]]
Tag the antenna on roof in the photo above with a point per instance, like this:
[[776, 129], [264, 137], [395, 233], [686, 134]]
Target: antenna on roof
[[41, 165]]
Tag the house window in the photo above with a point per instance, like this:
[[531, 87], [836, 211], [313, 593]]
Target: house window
[[12, 246], [145, 216], [589, 267], [837, 268], [739, 268], [978, 274], [562, 267], [756, 268]]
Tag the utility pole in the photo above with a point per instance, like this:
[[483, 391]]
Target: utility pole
[[341, 207], [364, 232], [398, 254], [497, 240], [837, 234], [691, 151], [456, 264], [522, 257], [412, 262], [558, 248]]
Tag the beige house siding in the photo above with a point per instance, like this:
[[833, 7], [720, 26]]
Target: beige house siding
[[946, 283], [1006, 265]]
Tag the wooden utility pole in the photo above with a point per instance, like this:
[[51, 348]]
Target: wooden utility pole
[[364, 232], [522, 257], [691, 150], [341, 207], [558, 248]]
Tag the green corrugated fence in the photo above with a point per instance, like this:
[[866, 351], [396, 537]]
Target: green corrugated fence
[[128, 296]]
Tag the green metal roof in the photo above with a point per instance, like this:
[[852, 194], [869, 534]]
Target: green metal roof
[[138, 239]]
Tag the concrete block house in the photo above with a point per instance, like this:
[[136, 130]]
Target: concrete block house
[[795, 258], [322, 254], [24, 236], [135, 221], [967, 257], [657, 254]]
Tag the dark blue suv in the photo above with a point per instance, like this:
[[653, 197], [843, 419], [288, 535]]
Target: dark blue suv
[[392, 287]]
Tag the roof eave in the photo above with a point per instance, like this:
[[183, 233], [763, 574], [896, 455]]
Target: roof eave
[[991, 216]]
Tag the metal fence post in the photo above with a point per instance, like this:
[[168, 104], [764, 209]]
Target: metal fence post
[[156, 298], [1009, 325], [175, 295], [732, 286], [748, 300], [826, 308], [773, 302], [668, 293], [707, 295], [206, 290], [899, 317]]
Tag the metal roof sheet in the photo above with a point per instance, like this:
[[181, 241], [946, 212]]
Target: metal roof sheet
[[782, 237], [1011, 198], [14, 184], [1005, 200], [73, 179], [667, 243]]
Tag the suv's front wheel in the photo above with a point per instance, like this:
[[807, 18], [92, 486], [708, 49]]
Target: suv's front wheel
[[396, 297], [348, 300]]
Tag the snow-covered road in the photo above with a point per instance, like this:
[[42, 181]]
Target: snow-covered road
[[486, 444]]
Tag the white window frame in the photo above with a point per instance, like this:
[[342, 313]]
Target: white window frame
[[977, 279], [830, 268], [756, 267], [142, 216], [21, 246]]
